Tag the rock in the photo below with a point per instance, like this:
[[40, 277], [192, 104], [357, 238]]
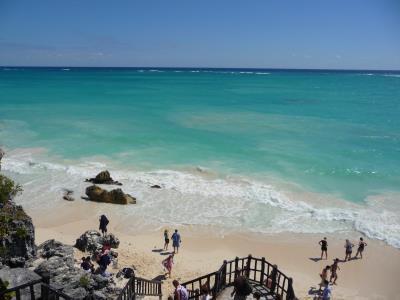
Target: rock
[[116, 196], [103, 177], [156, 186], [19, 276], [92, 241], [17, 236], [2, 153], [68, 195]]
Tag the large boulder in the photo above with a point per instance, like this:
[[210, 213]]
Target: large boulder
[[17, 236], [103, 177], [117, 196], [92, 241]]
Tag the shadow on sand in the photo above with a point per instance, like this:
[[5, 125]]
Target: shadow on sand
[[315, 259]]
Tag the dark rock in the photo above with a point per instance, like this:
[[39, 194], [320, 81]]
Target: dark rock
[[2, 153], [156, 186], [17, 236], [68, 195], [116, 196], [93, 241], [103, 177], [19, 276]]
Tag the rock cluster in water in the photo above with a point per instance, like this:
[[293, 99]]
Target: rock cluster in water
[[117, 196], [103, 177]]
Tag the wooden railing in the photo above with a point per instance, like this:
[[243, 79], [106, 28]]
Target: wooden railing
[[137, 286], [256, 270]]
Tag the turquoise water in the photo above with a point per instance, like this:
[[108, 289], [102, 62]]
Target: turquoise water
[[333, 133]]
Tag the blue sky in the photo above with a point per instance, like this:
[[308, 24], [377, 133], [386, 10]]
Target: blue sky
[[339, 34]]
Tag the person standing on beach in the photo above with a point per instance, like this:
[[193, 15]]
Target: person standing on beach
[[176, 241], [324, 247], [349, 249], [361, 247], [103, 224], [334, 268], [166, 239], [181, 292]]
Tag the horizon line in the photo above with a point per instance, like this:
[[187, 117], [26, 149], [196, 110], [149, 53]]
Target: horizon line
[[215, 68]]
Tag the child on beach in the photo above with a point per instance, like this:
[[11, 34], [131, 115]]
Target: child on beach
[[361, 247], [324, 247], [324, 277], [349, 249], [168, 263], [334, 268], [166, 240]]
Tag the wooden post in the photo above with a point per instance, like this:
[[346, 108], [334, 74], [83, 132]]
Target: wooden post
[[223, 275], [262, 270], [236, 266], [45, 286], [247, 267]]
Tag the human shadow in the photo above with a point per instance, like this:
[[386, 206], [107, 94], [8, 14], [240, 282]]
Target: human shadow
[[157, 250], [315, 259], [313, 291], [166, 253]]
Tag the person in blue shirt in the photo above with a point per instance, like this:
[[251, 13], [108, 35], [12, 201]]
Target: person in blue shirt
[[176, 241]]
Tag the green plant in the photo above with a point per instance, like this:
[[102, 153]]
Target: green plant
[[84, 281], [3, 288], [21, 232], [8, 189]]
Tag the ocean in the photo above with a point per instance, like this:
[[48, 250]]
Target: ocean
[[252, 150]]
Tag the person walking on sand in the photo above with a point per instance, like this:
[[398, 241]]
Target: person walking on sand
[[324, 277], [103, 224], [324, 247], [334, 268], [349, 249], [168, 263], [361, 247], [180, 292], [166, 239], [176, 241]]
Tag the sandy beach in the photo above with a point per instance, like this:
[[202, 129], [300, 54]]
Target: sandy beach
[[204, 249]]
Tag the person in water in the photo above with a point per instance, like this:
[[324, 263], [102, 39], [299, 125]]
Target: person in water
[[166, 240], [324, 247], [103, 224], [180, 292], [349, 249], [334, 268], [361, 247], [324, 277], [168, 263], [176, 241]]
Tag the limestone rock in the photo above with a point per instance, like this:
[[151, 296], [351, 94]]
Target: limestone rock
[[117, 196], [93, 241], [103, 177]]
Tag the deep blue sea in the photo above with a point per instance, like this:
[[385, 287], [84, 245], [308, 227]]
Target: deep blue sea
[[264, 150]]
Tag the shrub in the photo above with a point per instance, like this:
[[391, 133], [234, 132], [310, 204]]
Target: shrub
[[21, 232], [84, 281], [8, 189]]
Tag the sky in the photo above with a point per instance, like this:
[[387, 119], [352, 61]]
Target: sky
[[315, 34]]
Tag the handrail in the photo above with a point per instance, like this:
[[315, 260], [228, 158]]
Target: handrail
[[256, 270], [137, 286]]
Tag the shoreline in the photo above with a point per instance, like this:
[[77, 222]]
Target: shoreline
[[204, 249]]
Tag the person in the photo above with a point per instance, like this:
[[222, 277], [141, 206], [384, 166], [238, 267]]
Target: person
[[180, 292], [334, 268], [168, 263], [324, 247], [257, 296], [327, 293], [176, 241], [349, 249], [241, 287], [361, 247], [324, 277], [205, 292], [87, 265], [105, 260], [103, 224], [166, 239]]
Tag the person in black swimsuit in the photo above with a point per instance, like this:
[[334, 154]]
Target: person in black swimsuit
[[324, 247], [361, 247]]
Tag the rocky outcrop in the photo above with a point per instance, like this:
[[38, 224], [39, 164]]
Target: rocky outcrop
[[93, 241], [68, 195], [103, 177], [58, 263], [17, 236], [116, 196], [2, 153]]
